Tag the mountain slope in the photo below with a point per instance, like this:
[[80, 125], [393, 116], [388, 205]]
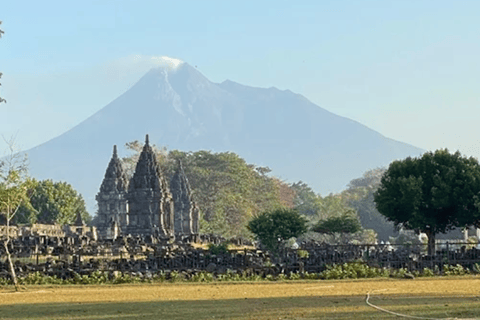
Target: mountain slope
[[181, 109]]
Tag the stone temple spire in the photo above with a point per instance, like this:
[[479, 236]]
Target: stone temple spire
[[186, 211], [78, 220], [147, 171], [115, 178], [150, 200], [111, 200]]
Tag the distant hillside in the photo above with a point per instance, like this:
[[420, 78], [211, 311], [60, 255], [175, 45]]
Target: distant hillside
[[181, 109]]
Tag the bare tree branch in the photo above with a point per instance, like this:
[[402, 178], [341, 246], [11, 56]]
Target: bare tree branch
[[13, 160], [13, 193]]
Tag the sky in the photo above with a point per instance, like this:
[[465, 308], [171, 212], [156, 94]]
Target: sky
[[408, 69]]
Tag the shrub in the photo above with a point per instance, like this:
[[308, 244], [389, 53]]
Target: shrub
[[159, 276], [202, 276], [352, 270], [427, 272], [175, 276], [282, 276], [229, 276], [294, 276], [399, 273], [217, 249], [457, 270], [270, 277], [311, 276], [303, 254]]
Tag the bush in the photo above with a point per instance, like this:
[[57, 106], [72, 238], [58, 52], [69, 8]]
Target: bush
[[202, 276], [281, 277], [399, 273], [175, 276], [311, 276], [294, 276], [457, 270], [304, 254], [270, 277], [352, 270], [427, 272], [216, 249]]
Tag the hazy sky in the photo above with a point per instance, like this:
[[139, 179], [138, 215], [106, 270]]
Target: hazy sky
[[409, 69]]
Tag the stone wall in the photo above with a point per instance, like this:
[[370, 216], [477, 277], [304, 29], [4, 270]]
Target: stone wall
[[81, 254]]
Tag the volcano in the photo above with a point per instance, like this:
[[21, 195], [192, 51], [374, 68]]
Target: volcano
[[181, 109]]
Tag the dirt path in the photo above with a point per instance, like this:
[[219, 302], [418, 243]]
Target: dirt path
[[468, 286]]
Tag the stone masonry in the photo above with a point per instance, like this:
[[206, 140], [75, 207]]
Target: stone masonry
[[144, 205], [112, 199], [186, 211], [150, 201]]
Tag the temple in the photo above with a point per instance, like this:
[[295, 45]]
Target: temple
[[186, 212], [145, 205]]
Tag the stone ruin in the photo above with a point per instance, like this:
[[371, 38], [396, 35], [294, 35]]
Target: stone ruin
[[54, 231], [145, 205], [186, 214]]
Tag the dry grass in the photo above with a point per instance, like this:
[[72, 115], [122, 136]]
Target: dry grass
[[439, 298]]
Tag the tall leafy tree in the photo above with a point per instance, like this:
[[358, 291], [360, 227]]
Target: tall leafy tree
[[329, 208], [53, 202], [431, 194], [286, 195], [228, 191], [273, 228], [306, 201], [347, 223]]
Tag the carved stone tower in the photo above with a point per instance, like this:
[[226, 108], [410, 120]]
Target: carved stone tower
[[186, 211], [112, 198], [150, 201]]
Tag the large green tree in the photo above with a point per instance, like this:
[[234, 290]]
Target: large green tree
[[432, 194], [227, 189], [347, 223], [273, 228], [306, 201], [53, 202]]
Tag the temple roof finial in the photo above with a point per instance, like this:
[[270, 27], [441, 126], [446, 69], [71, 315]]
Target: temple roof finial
[[146, 139], [115, 179], [78, 220]]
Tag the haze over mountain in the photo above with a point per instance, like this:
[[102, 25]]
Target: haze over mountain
[[181, 109]]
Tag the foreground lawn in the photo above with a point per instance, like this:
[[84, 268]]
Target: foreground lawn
[[434, 298]]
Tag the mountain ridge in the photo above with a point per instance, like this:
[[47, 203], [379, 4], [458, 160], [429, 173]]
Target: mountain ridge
[[182, 109]]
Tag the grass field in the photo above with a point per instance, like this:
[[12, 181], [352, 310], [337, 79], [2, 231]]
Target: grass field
[[440, 298]]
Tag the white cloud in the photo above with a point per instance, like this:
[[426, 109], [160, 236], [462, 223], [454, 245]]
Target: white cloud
[[132, 67], [165, 61]]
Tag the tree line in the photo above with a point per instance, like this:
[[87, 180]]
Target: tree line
[[230, 193], [431, 194]]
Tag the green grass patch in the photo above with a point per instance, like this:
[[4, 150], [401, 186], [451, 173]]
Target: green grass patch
[[338, 307]]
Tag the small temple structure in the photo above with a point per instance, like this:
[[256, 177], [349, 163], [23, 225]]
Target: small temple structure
[[186, 212], [145, 205]]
